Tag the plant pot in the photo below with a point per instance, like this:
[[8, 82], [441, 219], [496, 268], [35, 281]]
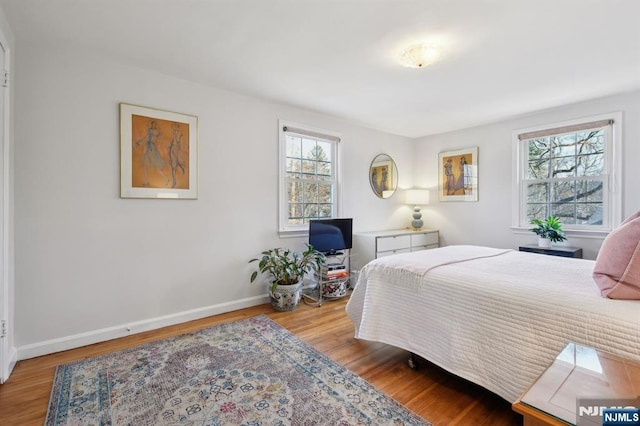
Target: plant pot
[[334, 289], [286, 297], [544, 242]]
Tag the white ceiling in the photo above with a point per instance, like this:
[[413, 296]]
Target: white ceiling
[[500, 57]]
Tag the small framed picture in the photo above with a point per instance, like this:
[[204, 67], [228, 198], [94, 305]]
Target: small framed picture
[[158, 153], [458, 175]]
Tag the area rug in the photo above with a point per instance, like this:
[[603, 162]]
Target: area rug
[[249, 372]]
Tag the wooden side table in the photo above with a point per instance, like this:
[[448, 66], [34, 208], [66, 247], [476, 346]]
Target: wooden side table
[[534, 417], [577, 372], [553, 251]]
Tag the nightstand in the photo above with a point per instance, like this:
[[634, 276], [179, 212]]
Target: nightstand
[[579, 378], [553, 251]]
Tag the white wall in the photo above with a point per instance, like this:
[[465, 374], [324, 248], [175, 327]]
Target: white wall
[[88, 261], [487, 222]]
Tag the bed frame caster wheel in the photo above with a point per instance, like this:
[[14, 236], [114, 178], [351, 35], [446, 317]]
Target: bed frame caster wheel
[[413, 362]]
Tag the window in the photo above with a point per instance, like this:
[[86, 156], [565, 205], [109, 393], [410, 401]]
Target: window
[[309, 185], [569, 170]]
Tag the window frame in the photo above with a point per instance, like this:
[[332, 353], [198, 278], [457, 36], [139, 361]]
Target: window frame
[[612, 177], [284, 229]]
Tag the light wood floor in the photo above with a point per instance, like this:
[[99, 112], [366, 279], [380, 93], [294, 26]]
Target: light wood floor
[[432, 393]]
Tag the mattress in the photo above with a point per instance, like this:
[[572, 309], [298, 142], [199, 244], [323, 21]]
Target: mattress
[[495, 317]]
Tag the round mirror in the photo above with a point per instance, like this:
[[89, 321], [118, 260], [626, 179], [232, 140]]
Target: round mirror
[[383, 176]]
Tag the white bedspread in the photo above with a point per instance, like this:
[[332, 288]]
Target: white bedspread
[[497, 319]]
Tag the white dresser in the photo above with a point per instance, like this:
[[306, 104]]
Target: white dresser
[[371, 245]]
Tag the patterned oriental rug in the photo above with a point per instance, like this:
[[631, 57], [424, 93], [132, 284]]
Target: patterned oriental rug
[[249, 372]]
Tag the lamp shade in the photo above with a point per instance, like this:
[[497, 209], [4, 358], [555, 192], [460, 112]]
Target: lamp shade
[[417, 197]]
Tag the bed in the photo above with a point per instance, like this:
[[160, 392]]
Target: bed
[[495, 317]]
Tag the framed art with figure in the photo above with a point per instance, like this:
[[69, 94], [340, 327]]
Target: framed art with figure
[[458, 175], [158, 153]]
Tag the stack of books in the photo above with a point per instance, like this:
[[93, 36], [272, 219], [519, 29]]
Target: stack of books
[[334, 271]]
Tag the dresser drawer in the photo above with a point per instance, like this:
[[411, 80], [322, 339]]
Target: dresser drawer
[[424, 239], [418, 248], [390, 252], [393, 243]]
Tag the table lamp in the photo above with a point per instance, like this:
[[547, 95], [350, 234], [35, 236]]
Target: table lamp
[[417, 198]]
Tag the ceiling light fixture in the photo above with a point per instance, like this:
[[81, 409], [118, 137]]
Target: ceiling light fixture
[[419, 56]]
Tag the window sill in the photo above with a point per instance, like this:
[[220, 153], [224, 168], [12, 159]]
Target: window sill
[[576, 233], [293, 234]]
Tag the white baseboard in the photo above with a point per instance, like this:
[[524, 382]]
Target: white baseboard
[[96, 336]]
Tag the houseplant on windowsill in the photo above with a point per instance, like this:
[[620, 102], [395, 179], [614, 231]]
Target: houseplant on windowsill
[[286, 269], [548, 231]]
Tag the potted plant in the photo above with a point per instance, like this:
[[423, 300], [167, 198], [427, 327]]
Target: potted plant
[[548, 231], [287, 269]]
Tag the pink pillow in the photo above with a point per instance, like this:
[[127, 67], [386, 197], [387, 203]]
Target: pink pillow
[[630, 218], [617, 268]]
